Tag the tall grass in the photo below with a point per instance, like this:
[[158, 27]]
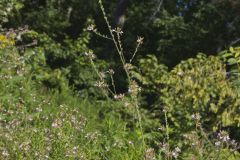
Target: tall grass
[[39, 123]]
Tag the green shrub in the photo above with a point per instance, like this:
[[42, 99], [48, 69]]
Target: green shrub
[[58, 63], [200, 86], [232, 59], [7, 9], [197, 85]]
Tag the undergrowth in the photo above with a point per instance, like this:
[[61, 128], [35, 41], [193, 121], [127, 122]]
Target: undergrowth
[[42, 122]]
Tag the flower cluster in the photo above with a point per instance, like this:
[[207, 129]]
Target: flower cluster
[[101, 84], [91, 27], [165, 147], [134, 88], [140, 40], [223, 136], [5, 41], [118, 30], [224, 139], [196, 116], [90, 55], [119, 96]]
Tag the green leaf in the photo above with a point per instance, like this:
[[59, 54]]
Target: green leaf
[[232, 61], [231, 49], [226, 55], [237, 54]]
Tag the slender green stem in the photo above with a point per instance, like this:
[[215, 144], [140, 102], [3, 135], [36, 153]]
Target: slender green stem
[[114, 39], [140, 121], [98, 73], [135, 52], [118, 45], [101, 35], [113, 84], [167, 133]]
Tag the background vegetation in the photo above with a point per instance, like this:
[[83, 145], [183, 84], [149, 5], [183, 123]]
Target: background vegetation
[[159, 80]]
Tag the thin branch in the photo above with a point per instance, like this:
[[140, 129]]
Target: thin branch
[[157, 10]]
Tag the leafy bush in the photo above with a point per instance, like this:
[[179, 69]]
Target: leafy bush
[[200, 86], [197, 85], [6, 9], [232, 59], [66, 60]]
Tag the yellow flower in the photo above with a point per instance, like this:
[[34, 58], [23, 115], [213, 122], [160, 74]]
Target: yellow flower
[[5, 42]]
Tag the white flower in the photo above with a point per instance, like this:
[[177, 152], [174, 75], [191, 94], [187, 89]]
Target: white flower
[[140, 40], [217, 144], [177, 149], [90, 27], [5, 153]]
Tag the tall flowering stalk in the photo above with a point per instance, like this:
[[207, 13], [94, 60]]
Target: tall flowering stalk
[[133, 88]]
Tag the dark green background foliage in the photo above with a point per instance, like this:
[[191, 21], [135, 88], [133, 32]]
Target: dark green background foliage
[[173, 30], [189, 63]]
